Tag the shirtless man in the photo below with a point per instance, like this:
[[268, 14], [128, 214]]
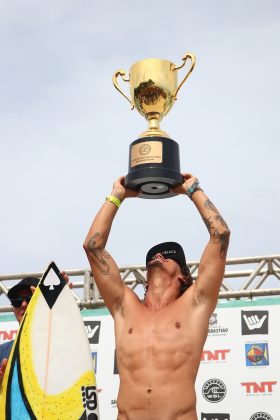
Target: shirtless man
[[159, 342]]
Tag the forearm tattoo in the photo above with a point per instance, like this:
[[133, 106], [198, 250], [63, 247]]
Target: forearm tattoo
[[219, 218], [99, 255], [217, 228], [210, 206], [208, 222], [223, 239]]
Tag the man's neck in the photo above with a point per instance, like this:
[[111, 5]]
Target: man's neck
[[161, 292]]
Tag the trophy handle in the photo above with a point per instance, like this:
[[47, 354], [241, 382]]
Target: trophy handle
[[121, 73], [184, 58]]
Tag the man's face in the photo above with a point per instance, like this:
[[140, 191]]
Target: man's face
[[22, 299], [169, 265]]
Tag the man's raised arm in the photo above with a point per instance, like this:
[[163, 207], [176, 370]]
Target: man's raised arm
[[104, 269], [212, 264]]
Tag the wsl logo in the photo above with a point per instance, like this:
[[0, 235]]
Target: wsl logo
[[215, 328], [261, 416], [257, 354], [214, 390], [215, 416]]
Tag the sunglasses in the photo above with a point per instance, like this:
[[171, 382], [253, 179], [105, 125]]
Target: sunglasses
[[17, 302]]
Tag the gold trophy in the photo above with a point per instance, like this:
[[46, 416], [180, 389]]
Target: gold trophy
[[154, 162]]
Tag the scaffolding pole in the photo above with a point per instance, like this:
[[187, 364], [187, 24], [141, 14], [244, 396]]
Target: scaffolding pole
[[253, 271]]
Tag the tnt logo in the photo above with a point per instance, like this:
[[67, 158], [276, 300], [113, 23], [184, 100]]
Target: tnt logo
[[215, 356], [8, 335], [259, 388]]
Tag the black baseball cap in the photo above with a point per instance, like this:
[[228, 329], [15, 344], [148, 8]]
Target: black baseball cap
[[171, 250], [23, 284]]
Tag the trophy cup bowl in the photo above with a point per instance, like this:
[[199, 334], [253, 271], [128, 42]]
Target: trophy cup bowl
[[154, 161]]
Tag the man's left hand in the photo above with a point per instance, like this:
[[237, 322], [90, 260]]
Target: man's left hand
[[189, 180]]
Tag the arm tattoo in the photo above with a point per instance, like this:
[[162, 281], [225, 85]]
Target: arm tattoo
[[99, 254], [223, 239], [210, 206], [212, 224], [208, 222], [219, 218]]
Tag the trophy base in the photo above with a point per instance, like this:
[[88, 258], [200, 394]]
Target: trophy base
[[153, 183], [154, 167]]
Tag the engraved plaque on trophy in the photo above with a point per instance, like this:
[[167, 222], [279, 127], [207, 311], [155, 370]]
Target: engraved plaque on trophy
[[154, 161]]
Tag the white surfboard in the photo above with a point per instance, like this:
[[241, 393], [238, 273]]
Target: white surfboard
[[50, 374]]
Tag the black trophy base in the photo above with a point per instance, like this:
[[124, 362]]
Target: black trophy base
[[155, 180]]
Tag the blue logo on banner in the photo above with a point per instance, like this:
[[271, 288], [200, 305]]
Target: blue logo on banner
[[257, 354], [94, 359]]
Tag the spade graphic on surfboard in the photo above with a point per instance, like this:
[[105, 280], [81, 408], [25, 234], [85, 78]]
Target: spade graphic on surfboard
[[50, 373]]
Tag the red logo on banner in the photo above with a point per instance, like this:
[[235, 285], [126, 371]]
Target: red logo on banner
[[262, 387], [7, 335], [216, 355]]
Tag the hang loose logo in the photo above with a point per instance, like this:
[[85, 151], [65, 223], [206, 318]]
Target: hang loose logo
[[253, 322]]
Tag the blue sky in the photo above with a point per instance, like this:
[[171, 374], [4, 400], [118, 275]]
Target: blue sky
[[65, 131]]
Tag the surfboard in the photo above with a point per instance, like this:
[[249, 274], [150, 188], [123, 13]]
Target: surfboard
[[50, 375]]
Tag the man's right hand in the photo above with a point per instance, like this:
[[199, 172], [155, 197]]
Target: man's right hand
[[2, 369], [121, 192]]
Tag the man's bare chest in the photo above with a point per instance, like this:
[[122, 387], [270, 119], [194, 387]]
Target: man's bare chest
[[156, 330]]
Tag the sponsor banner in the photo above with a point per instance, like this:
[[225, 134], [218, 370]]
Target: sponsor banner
[[93, 330], [260, 388], [254, 322], [214, 390], [215, 356], [261, 416], [239, 375], [215, 416], [257, 354], [216, 326], [8, 330]]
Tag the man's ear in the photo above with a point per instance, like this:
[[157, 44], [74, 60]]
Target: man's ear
[[181, 278]]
